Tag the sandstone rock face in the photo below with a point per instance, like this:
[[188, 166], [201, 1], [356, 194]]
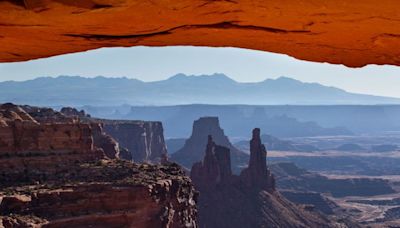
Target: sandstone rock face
[[104, 141], [52, 174], [192, 150], [353, 33], [143, 139], [113, 193], [23, 135], [248, 200]]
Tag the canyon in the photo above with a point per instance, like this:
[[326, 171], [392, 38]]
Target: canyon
[[68, 169], [53, 174]]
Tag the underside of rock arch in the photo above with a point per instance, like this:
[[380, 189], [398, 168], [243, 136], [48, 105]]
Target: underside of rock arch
[[353, 33]]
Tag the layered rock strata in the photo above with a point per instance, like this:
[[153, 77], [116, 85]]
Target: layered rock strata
[[353, 33], [143, 139], [106, 193], [68, 117], [53, 175], [139, 141]]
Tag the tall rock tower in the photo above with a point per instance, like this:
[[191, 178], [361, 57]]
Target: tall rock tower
[[256, 174], [215, 169]]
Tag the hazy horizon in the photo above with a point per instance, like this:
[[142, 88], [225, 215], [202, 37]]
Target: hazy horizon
[[200, 75], [242, 65], [179, 89]]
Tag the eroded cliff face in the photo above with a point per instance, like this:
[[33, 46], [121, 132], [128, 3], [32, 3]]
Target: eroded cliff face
[[143, 139], [354, 33], [139, 141], [247, 200], [52, 174]]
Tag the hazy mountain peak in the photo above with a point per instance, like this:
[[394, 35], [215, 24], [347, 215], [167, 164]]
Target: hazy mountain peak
[[177, 76], [215, 77], [283, 79], [287, 79]]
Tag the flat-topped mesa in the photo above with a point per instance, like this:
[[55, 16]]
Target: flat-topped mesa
[[215, 169], [193, 150], [23, 131], [43, 131], [257, 174], [31, 145], [48, 115]]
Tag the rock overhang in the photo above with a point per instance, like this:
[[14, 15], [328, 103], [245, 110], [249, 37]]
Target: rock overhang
[[353, 33]]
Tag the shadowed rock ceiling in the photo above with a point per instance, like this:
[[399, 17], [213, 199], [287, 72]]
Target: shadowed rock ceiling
[[353, 33]]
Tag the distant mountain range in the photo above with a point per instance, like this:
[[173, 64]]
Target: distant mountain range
[[178, 89]]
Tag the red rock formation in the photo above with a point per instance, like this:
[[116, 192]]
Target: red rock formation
[[354, 33], [21, 133], [192, 150], [104, 141], [248, 200], [103, 194], [52, 174]]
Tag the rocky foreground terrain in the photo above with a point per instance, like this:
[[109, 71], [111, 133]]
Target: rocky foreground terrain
[[57, 171]]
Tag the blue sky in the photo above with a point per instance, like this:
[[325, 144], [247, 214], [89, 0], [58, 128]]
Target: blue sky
[[150, 64]]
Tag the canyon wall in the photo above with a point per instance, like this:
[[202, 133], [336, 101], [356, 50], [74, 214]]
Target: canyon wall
[[133, 140], [143, 139], [53, 174]]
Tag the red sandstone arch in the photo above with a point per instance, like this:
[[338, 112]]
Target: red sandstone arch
[[353, 33]]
